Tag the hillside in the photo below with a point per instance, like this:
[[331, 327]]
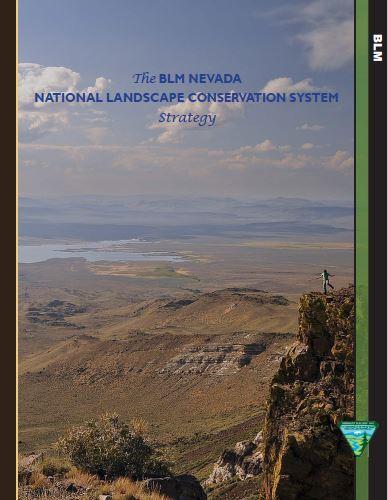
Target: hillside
[[218, 312], [196, 367]]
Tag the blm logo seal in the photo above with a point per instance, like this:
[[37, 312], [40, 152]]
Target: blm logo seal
[[358, 434]]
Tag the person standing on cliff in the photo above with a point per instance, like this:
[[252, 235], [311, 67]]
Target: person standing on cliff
[[326, 280]]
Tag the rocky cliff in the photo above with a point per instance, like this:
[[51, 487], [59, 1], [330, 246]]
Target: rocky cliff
[[304, 454]]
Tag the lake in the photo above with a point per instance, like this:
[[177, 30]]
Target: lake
[[113, 251]]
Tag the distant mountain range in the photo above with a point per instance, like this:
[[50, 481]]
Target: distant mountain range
[[96, 218]]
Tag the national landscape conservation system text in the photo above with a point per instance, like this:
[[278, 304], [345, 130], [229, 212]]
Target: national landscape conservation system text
[[146, 78], [192, 96]]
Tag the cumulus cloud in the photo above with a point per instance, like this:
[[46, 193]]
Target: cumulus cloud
[[37, 78], [267, 154], [287, 160], [35, 124], [330, 47], [340, 160], [329, 39], [173, 132], [38, 119], [324, 28], [100, 85], [287, 84], [312, 127], [308, 145], [326, 10], [165, 168], [266, 145]]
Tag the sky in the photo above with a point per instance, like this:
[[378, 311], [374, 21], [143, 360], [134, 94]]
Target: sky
[[253, 151]]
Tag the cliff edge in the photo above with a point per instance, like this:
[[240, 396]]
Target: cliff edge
[[304, 454]]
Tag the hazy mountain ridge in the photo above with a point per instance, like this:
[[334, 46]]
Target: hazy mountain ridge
[[219, 213]]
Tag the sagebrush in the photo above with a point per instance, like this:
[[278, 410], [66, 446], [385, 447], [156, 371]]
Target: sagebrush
[[110, 448]]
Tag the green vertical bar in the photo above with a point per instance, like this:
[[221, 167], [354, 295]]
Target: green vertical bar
[[361, 60]]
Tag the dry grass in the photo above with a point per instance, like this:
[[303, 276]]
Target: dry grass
[[39, 482], [125, 489], [86, 486], [25, 493], [82, 479]]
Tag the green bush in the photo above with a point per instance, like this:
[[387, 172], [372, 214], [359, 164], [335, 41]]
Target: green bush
[[109, 448]]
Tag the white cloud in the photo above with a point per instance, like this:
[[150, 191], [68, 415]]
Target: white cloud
[[340, 160], [37, 78], [100, 85], [330, 46], [282, 156], [266, 145], [312, 127], [308, 145], [329, 37], [286, 84], [35, 124], [163, 168], [319, 11], [284, 160], [173, 132], [325, 28], [38, 119]]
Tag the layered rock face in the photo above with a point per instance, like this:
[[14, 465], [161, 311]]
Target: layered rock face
[[305, 455], [213, 359]]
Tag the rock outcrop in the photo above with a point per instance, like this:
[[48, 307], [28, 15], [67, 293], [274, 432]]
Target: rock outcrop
[[26, 466], [213, 359], [183, 487], [304, 454], [55, 313], [243, 462]]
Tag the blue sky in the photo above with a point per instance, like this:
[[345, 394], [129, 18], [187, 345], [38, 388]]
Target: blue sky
[[256, 150]]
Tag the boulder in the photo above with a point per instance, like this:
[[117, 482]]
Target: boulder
[[258, 439], [183, 487], [244, 461], [30, 460], [26, 465], [72, 488]]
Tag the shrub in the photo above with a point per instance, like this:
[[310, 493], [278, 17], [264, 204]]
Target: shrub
[[54, 466], [109, 448]]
